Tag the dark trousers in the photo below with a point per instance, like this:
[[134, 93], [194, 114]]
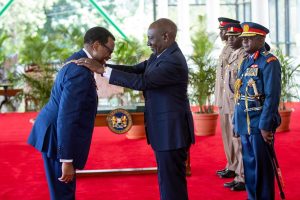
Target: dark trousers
[[259, 174], [58, 190], [172, 174]]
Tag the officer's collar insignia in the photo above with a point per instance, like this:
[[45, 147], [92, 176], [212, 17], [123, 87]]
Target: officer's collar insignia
[[119, 121], [256, 54]]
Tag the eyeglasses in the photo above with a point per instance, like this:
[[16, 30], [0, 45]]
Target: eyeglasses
[[108, 49]]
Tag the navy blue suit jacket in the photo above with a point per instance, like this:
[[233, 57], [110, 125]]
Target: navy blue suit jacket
[[64, 127], [164, 80]]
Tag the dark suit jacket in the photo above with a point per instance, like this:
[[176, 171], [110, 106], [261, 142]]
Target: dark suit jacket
[[164, 80], [63, 128]]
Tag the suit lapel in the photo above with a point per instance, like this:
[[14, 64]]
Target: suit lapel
[[153, 60]]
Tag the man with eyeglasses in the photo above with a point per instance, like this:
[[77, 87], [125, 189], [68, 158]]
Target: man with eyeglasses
[[63, 129], [256, 117]]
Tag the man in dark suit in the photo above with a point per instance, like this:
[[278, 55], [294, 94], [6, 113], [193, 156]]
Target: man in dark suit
[[163, 78], [64, 127]]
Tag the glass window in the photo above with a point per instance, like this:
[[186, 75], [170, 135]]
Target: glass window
[[283, 22], [236, 9], [293, 27]]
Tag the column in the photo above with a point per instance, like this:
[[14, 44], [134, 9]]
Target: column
[[183, 25], [298, 29], [260, 12], [162, 9], [212, 15]]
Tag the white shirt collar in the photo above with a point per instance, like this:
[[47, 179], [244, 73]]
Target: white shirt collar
[[87, 53], [161, 53]]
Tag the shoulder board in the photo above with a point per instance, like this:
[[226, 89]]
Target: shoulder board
[[272, 58]]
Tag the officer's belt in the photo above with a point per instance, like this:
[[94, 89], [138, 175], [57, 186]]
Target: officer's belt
[[254, 109], [252, 98]]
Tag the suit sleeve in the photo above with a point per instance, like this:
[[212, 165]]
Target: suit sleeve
[[272, 90], [136, 69], [75, 89], [164, 74]]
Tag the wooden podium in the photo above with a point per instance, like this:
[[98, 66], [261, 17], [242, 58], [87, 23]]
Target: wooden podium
[[137, 119]]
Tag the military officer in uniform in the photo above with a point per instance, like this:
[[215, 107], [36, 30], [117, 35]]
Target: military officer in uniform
[[256, 117], [228, 171], [230, 76]]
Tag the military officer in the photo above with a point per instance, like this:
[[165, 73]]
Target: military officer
[[230, 76], [228, 171], [256, 117]]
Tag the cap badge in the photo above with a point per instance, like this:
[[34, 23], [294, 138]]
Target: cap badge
[[246, 28]]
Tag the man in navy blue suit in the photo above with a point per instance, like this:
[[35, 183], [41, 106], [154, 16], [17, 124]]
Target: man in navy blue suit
[[64, 127], [163, 78]]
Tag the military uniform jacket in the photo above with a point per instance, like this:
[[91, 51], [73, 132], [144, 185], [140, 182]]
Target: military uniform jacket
[[230, 76], [219, 86], [262, 108]]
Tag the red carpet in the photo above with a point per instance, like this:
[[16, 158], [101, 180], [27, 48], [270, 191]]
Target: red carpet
[[22, 175]]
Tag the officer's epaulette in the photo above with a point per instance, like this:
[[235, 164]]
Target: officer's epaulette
[[272, 58]]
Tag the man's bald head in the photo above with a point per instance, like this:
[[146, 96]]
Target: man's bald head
[[165, 25], [161, 35]]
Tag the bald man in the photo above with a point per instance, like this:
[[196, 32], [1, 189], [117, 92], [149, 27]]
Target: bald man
[[163, 78]]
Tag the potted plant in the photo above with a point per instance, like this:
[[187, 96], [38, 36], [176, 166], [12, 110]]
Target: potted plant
[[41, 55], [289, 88], [202, 81]]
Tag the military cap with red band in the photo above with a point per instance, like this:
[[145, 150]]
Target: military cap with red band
[[233, 29], [253, 29], [224, 21]]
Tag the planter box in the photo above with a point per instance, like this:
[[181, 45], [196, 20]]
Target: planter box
[[285, 120], [205, 124]]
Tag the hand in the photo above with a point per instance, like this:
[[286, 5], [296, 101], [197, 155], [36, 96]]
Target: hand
[[92, 64], [68, 172], [268, 136]]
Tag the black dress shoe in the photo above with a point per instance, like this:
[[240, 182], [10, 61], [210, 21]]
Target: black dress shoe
[[221, 171], [230, 184], [240, 186], [227, 174]]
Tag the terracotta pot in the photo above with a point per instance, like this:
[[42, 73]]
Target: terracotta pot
[[285, 120], [136, 132], [205, 124]]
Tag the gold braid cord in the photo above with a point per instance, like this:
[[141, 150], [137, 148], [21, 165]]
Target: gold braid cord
[[237, 85], [246, 105]]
